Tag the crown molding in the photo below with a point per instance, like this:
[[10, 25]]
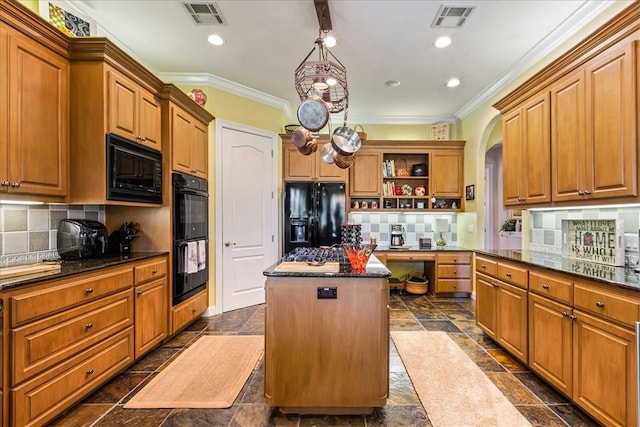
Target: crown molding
[[587, 13]]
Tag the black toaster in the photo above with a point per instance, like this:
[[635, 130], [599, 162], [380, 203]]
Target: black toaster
[[81, 238]]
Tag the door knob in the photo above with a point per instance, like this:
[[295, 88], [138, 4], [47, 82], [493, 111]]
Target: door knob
[[229, 244]]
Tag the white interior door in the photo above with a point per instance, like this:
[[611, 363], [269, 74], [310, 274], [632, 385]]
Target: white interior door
[[246, 213]]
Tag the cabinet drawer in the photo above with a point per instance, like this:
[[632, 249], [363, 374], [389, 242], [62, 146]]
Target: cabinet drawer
[[455, 258], [609, 303], [406, 256], [150, 270], [61, 294], [556, 287], [40, 345], [188, 310], [513, 274], [486, 265], [454, 271], [454, 285], [43, 398]]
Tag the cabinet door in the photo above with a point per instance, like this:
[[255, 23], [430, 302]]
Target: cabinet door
[[536, 150], [550, 341], [486, 304], [150, 121], [569, 151], [512, 158], [151, 310], [604, 370], [328, 171], [200, 150], [611, 118], [511, 320], [447, 174], [295, 165], [38, 118], [122, 106], [365, 177], [182, 133]]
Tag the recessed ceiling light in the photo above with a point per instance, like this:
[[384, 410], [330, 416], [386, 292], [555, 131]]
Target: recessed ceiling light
[[442, 42], [392, 83], [330, 41], [215, 40], [453, 82]]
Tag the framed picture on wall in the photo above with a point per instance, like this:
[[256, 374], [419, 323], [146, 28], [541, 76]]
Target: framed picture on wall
[[440, 132], [470, 192]]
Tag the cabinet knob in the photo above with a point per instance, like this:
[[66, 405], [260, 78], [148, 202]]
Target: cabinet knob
[[154, 271], [565, 314], [139, 293], [587, 192], [5, 183], [89, 371], [508, 274], [483, 266], [89, 325], [16, 185], [600, 304], [545, 286], [88, 290], [581, 193]]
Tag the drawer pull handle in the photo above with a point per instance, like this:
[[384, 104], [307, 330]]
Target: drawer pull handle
[[545, 286], [572, 317], [89, 290], [89, 325], [600, 304], [565, 314], [154, 271], [139, 293], [508, 274], [483, 266], [89, 371]]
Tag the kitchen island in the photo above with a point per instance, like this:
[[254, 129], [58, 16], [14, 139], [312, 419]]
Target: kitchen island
[[327, 338]]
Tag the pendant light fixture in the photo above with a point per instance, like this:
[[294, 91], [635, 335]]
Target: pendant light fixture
[[321, 74]]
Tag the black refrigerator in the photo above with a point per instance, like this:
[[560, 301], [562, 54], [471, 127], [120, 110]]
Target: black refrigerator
[[313, 213]]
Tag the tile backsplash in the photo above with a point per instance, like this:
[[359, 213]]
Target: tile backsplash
[[416, 226], [28, 232], [546, 227]]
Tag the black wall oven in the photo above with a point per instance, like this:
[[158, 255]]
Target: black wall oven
[[190, 236]]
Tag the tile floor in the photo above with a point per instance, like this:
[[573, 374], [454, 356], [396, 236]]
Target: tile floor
[[535, 400]]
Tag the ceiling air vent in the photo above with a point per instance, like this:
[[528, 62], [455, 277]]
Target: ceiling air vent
[[451, 16], [205, 13]]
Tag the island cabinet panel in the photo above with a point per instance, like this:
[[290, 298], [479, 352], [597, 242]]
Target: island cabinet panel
[[527, 153], [34, 118], [323, 355]]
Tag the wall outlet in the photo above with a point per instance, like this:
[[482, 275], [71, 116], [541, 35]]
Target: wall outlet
[[631, 242], [470, 228]]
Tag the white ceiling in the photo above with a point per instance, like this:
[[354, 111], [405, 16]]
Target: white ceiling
[[378, 40]]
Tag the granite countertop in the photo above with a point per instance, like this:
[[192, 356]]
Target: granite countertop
[[375, 269], [417, 248], [624, 277], [71, 267]]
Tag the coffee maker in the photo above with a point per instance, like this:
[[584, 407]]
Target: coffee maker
[[397, 236]]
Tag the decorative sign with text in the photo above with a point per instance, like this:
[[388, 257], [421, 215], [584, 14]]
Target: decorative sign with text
[[595, 240]]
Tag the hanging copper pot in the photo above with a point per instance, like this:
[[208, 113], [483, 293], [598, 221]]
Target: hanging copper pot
[[313, 114], [345, 141], [311, 147], [301, 137], [342, 161]]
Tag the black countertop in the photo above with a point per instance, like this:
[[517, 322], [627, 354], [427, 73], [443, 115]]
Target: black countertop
[[71, 267], [624, 277], [374, 269]]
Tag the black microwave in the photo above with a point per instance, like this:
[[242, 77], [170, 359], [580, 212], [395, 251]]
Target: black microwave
[[134, 172]]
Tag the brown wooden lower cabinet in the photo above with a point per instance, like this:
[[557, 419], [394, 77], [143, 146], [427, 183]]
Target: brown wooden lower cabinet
[[336, 358], [66, 337], [188, 310], [579, 333]]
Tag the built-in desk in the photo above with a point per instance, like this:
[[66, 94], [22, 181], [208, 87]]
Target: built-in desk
[[448, 270]]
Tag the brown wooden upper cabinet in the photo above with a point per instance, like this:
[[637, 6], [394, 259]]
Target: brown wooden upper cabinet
[[189, 138], [593, 116], [365, 175], [447, 174], [526, 177], [570, 132], [298, 167], [134, 112], [34, 118]]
